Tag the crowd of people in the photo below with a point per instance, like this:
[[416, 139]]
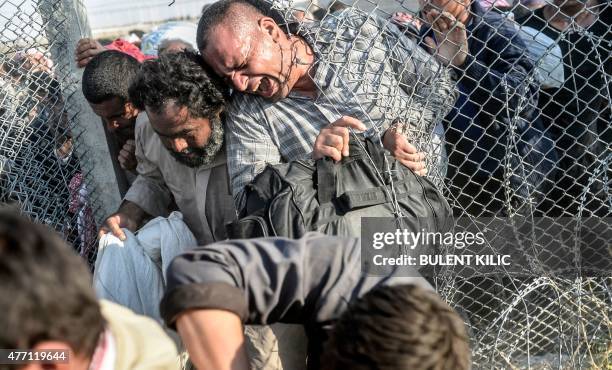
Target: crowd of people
[[37, 163], [503, 113]]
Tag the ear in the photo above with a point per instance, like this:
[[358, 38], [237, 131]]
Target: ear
[[269, 27], [130, 110], [55, 346]]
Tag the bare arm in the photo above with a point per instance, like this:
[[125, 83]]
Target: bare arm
[[214, 339]]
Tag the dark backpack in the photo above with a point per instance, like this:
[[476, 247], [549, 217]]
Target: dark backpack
[[293, 198]]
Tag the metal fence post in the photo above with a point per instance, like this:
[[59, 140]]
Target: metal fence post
[[65, 23]]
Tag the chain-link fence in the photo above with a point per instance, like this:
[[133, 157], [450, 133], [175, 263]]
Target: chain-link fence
[[527, 151], [516, 127], [44, 166]]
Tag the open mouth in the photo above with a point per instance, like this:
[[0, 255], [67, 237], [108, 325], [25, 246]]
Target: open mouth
[[265, 87]]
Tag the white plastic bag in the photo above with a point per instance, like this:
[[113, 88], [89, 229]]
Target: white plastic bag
[[132, 273]]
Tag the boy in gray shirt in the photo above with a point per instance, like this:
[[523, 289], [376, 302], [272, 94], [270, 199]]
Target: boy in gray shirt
[[311, 281]]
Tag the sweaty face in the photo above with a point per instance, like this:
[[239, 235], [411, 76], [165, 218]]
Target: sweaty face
[[192, 141], [118, 116], [251, 61]]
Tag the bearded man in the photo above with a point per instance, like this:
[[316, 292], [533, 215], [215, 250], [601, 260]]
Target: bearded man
[[181, 158], [179, 148]]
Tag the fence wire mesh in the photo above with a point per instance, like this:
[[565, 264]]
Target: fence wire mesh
[[524, 136], [519, 127], [41, 171]]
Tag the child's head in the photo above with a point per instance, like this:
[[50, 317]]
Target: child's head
[[401, 327], [46, 296]]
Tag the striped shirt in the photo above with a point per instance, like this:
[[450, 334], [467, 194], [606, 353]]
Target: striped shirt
[[366, 69]]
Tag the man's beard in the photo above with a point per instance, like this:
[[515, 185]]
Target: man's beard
[[206, 154]]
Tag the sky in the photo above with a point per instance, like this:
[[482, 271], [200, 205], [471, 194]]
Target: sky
[[102, 14], [22, 21], [105, 14]]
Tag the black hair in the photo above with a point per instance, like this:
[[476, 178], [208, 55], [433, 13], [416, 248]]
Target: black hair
[[217, 12], [108, 75], [46, 291], [181, 77], [398, 328]]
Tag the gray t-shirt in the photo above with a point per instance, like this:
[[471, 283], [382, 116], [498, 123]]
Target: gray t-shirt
[[309, 281]]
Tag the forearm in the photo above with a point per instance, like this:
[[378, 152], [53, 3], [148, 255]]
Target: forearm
[[134, 212], [150, 194], [214, 339]]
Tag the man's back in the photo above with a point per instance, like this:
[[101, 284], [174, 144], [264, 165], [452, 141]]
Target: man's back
[[309, 281]]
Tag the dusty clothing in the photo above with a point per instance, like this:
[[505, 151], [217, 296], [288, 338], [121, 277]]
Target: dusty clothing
[[161, 178], [364, 68], [139, 342], [309, 281]]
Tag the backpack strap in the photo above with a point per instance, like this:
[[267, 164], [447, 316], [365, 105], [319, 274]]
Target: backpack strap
[[327, 170], [326, 180], [354, 199]]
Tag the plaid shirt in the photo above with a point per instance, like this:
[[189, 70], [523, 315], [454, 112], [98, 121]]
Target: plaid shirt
[[365, 68]]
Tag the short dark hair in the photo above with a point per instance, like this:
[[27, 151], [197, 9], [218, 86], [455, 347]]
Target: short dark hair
[[401, 327], [109, 75], [182, 77], [217, 12], [45, 291]]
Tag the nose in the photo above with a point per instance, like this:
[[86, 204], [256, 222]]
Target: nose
[[178, 145], [240, 81]]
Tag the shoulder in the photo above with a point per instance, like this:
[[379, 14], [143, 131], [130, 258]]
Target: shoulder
[[246, 108], [142, 342], [243, 104], [143, 129], [123, 323], [352, 23]]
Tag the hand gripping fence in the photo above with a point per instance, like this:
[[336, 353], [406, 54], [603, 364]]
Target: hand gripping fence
[[544, 165]]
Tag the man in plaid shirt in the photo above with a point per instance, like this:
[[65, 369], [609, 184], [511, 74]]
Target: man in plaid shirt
[[299, 91]]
